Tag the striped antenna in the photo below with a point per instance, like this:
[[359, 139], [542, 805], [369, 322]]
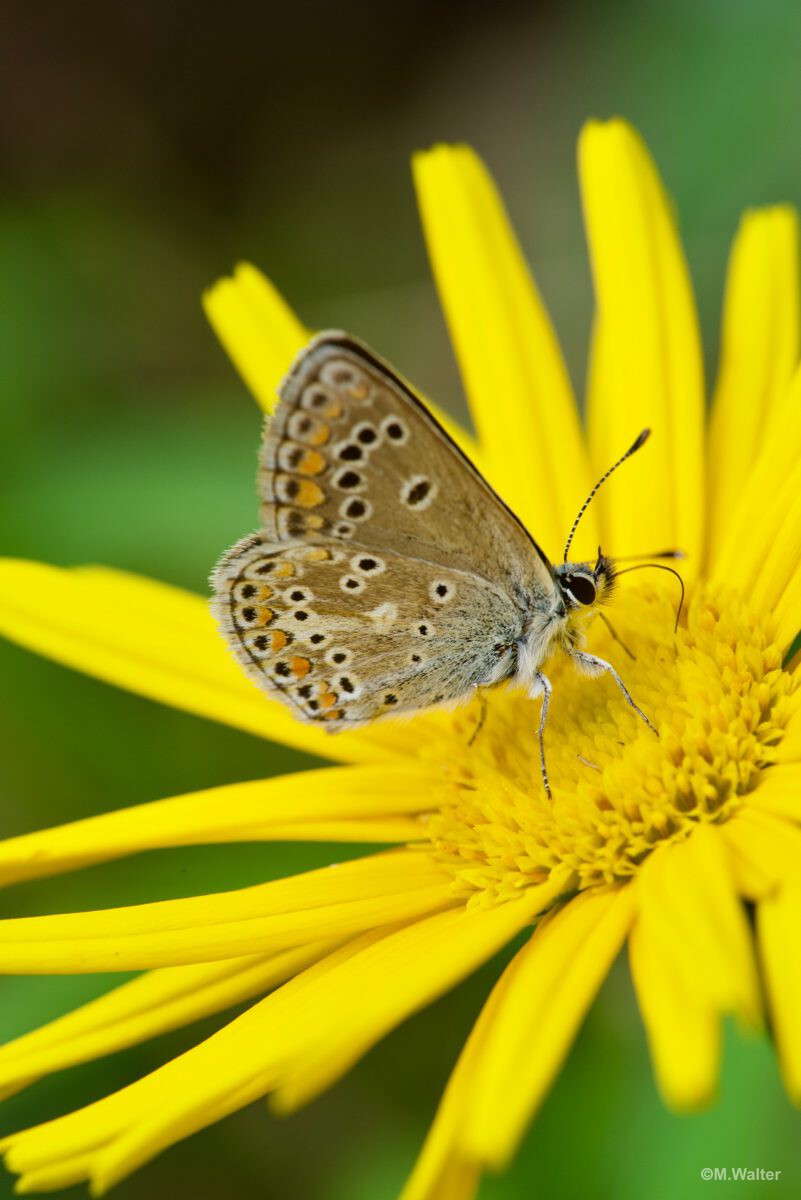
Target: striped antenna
[[641, 440]]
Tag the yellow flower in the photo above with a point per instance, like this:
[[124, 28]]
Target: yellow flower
[[661, 842]]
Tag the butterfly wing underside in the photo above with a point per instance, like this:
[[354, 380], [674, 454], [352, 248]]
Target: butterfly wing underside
[[346, 637], [388, 576]]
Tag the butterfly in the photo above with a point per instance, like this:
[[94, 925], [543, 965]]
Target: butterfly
[[387, 576]]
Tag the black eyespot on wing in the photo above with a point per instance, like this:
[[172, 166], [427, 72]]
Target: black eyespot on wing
[[581, 588], [418, 493], [348, 479]]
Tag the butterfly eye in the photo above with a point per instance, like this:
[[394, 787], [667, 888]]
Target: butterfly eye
[[581, 588]]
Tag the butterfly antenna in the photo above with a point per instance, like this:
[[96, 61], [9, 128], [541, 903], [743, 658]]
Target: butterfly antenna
[[641, 440], [660, 567], [656, 554]]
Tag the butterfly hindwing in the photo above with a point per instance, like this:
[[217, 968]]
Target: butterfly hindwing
[[346, 635]]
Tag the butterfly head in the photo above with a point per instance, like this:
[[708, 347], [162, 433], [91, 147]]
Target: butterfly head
[[586, 585], [583, 587]]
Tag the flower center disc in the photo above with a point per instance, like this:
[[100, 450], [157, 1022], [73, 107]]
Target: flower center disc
[[717, 694]]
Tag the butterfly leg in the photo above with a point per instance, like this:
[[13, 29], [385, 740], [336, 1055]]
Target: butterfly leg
[[541, 686], [618, 639], [482, 716], [590, 664]]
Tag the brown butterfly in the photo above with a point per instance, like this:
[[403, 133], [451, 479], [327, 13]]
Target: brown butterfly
[[387, 576]]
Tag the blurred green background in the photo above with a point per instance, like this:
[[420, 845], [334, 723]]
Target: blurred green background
[[145, 149]]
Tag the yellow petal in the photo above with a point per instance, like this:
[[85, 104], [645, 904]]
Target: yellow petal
[[473, 936], [440, 1169], [779, 931], [779, 792], [788, 611], [457, 1180], [759, 352], [689, 904], [761, 514], [646, 362], [161, 642], [682, 1024], [342, 1001], [257, 328], [53, 1179], [322, 1022], [533, 1026], [336, 803], [329, 903], [764, 851], [223, 1066], [778, 567], [510, 361], [143, 1008]]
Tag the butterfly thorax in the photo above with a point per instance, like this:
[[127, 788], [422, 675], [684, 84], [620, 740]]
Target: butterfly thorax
[[579, 591]]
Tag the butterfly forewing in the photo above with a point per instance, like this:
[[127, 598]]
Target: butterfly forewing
[[353, 454], [379, 541]]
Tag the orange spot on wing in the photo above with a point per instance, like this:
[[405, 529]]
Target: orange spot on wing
[[319, 435], [284, 570], [278, 640], [264, 616], [300, 667], [312, 463], [309, 494], [328, 700]]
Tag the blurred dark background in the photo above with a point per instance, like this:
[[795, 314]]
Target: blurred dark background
[[146, 148]]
